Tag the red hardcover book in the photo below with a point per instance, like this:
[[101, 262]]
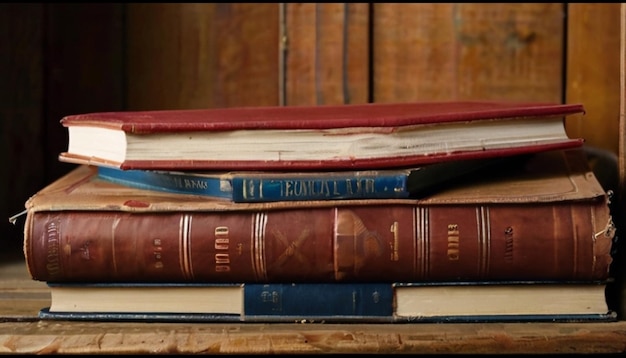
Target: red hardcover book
[[545, 220], [361, 136]]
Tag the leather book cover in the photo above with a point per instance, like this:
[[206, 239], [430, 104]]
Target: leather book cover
[[545, 219], [384, 115], [330, 137]]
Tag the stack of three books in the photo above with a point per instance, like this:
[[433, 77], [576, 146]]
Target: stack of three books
[[515, 228]]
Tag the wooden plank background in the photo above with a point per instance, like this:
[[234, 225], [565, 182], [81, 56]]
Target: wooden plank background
[[326, 53], [592, 76], [195, 55], [468, 51], [59, 59]]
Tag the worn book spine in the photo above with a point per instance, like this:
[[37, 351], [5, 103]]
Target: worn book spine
[[270, 186], [558, 240], [319, 188], [283, 302], [267, 187]]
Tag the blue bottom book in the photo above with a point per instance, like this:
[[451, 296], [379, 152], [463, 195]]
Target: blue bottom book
[[331, 302]]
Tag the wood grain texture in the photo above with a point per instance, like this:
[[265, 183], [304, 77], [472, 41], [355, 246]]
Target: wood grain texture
[[326, 57], [50, 337], [593, 62], [200, 55], [467, 51], [21, 297]]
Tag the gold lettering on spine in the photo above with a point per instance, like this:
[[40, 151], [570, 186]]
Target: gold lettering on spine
[[349, 189], [249, 187], [84, 251], [288, 188], [300, 188], [453, 242], [52, 237], [318, 188], [222, 244], [157, 253], [270, 296], [394, 246], [360, 186]]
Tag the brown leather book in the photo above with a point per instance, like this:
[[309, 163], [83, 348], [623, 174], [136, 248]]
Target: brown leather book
[[339, 137], [545, 219]]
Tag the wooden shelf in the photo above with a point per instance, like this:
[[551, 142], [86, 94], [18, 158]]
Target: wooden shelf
[[22, 332]]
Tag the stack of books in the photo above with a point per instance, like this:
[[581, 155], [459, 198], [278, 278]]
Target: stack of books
[[404, 212]]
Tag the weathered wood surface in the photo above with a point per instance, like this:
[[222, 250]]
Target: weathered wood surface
[[141, 338]]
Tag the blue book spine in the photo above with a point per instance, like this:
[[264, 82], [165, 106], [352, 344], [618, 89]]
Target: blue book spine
[[312, 301], [255, 187], [173, 182], [390, 185]]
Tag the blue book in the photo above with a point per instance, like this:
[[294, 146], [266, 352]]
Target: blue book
[[331, 302], [268, 186]]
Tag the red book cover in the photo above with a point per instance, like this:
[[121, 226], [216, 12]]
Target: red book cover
[[356, 136]]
